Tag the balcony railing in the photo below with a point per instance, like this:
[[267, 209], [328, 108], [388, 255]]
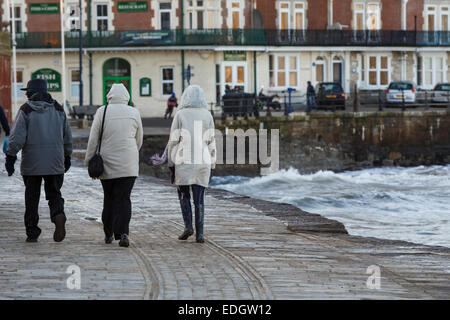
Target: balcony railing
[[229, 37]]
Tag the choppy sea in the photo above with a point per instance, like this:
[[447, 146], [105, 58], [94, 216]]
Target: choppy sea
[[411, 204]]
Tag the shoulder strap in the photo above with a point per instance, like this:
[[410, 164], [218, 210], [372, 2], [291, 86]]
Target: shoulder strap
[[101, 131]]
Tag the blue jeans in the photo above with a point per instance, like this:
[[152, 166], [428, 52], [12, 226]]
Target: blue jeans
[[310, 101]]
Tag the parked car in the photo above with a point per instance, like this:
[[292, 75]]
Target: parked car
[[399, 90], [330, 95], [441, 93]]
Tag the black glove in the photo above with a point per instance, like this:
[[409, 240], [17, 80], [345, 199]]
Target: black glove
[[172, 174], [67, 163], [9, 164]]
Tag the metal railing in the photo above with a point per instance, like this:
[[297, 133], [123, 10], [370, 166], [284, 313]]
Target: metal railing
[[235, 37]]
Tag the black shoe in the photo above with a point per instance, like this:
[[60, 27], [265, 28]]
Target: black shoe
[[109, 240], [60, 230], [124, 242], [186, 234], [31, 239], [200, 240]]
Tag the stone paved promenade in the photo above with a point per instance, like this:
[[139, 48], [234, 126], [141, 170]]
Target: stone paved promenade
[[249, 254]]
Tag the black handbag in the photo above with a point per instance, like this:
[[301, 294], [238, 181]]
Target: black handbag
[[95, 166]]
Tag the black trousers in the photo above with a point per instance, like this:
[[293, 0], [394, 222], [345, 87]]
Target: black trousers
[[116, 214], [52, 187]]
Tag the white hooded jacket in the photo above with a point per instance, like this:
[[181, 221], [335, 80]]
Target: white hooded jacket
[[192, 146], [122, 136]]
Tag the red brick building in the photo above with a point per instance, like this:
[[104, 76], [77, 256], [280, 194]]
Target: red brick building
[[242, 43]]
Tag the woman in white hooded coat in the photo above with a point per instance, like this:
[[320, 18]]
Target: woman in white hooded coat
[[122, 138], [191, 156]]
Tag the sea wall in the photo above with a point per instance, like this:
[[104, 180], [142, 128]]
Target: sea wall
[[331, 141], [349, 141]]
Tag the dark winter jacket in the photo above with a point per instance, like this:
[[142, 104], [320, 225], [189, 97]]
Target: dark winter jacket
[[172, 102], [310, 91], [4, 121], [42, 132]]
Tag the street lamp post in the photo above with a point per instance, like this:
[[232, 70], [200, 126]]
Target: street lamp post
[[80, 44], [63, 54], [14, 44]]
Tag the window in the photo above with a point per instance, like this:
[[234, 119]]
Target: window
[[17, 18], [165, 9], [366, 17], [202, 14], [430, 18], [102, 17], [236, 14], [445, 21], [74, 84], [373, 16], [284, 71], [359, 16], [291, 15], [432, 70], [73, 17], [284, 15], [378, 70], [19, 84], [167, 81], [299, 15]]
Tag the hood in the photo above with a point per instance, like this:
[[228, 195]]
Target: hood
[[41, 102], [118, 94], [193, 97]]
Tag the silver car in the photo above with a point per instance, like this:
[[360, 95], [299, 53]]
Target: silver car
[[399, 90], [441, 93]]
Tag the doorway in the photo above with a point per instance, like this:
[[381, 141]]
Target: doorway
[[337, 70], [234, 74], [116, 70]]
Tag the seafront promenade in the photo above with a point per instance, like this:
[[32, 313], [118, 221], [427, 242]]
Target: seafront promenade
[[253, 250]]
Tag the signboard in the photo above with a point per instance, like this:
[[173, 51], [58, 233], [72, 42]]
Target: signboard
[[234, 56], [44, 8], [145, 37], [132, 6], [53, 79], [145, 87]]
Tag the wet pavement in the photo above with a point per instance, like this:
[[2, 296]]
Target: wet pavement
[[253, 250]]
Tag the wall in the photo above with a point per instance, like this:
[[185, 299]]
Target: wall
[[343, 141]]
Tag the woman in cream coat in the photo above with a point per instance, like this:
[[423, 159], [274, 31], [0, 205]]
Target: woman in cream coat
[[191, 156], [122, 139]]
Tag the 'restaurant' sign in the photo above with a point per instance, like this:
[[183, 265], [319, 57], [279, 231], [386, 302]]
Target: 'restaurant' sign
[[132, 6], [44, 8]]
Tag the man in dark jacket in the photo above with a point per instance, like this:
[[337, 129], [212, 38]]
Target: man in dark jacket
[[171, 103], [310, 97], [42, 132]]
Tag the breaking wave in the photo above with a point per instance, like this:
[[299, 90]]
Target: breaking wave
[[410, 204]]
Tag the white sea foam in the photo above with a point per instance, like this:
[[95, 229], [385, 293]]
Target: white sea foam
[[409, 204]]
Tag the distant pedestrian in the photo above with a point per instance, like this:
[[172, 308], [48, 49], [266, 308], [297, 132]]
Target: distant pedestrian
[[310, 97], [191, 156], [5, 125], [42, 132], [171, 103], [4, 121], [122, 138]]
